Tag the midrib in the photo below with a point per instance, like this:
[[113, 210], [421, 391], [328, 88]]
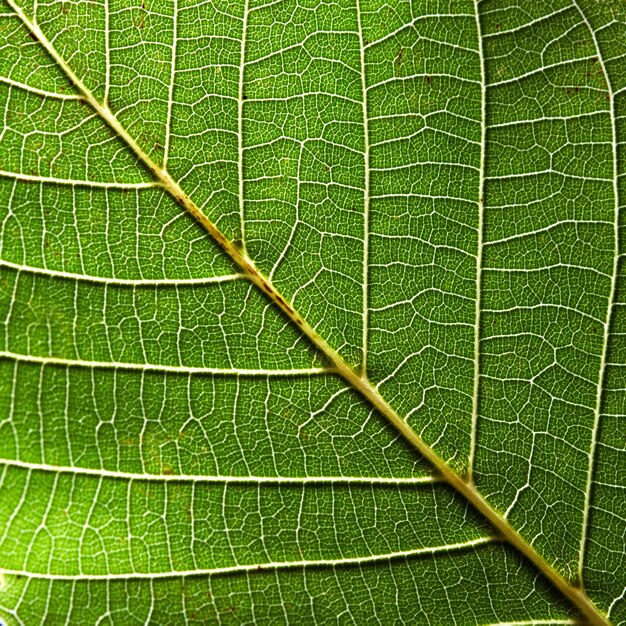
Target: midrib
[[357, 381]]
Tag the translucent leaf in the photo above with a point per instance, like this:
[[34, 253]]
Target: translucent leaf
[[312, 311]]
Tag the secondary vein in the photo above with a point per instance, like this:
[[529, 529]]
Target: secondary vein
[[270, 565], [609, 311], [479, 243]]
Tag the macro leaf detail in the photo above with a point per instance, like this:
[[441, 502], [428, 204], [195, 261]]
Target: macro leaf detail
[[312, 310]]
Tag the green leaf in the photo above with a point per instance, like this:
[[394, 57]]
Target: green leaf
[[312, 311]]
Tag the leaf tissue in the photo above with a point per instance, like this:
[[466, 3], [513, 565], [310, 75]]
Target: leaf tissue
[[312, 311]]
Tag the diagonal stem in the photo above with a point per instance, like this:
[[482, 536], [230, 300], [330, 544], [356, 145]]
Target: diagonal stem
[[584, 605]]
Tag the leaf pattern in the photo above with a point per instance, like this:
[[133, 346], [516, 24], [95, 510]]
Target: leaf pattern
[[312, 310]]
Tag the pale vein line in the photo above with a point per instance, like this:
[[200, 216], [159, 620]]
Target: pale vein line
[[412, 24], [536, 622], [366, 196], [170, 95], [77, 183], [546, 118], [525, 25], [544, 305], [240, 149], [107, 52], [609, 310], [617, 600], [271, 565], [139, 282], [301, 45], [40, 92], [479, 255], [545, 229], [549, 171], [220, 479], [395, 168], [540, 70], [265, 6], [296, 220], [545, 268], [403, 79], [174, 369]]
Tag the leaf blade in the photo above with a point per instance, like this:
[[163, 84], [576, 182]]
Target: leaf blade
[[234, 252]]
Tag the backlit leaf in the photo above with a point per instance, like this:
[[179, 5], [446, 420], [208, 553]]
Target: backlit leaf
[[312, 311]]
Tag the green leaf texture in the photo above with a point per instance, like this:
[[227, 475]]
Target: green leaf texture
[[431, 195]]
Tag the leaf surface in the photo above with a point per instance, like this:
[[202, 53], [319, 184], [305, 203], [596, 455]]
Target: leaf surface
[[312, 311]]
